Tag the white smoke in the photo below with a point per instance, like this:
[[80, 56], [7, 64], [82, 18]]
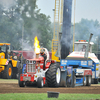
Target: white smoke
[[95, 30], [87, 26], [27, 48], [7, 3], [26, 45]]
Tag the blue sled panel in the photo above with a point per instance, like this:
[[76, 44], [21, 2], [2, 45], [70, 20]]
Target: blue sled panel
[[79, 82]]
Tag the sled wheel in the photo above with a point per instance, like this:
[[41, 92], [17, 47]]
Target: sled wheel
[[84, 81], [74, 79], [89, 79]]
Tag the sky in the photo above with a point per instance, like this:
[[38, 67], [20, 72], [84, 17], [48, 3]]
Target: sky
[[87, 9]]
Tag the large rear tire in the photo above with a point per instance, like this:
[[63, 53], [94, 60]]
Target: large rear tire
[[40, 82], [53, 75], [7, 73]]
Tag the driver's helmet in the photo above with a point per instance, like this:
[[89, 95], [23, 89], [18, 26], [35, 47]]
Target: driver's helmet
[[42, 51]]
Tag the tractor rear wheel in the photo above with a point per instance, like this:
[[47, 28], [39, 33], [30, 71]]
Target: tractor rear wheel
[[53, 75], [7, 73], [40, 82]]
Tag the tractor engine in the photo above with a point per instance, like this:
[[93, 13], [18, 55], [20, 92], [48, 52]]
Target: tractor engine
[[30, 66]]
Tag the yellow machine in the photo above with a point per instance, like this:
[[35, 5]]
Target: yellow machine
[[58, 13], [8, 62]]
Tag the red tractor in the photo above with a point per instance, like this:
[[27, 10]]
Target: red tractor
[[41, 70]]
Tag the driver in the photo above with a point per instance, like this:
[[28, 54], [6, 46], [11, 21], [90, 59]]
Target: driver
[[84, 48], [42, 52]]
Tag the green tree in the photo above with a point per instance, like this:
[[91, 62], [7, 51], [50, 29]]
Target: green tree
[[24, 13], [85, 27], [35, 23]]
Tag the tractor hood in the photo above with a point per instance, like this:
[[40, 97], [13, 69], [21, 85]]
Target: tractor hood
[[37, 59], [77, 54]]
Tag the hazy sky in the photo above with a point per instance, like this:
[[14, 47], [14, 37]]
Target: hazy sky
[[89, 9]]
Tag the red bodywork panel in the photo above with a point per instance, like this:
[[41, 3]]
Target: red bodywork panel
[[47, 65], [25, 75], [88, 72], [39, 63], [29, 54], [44, 79], [31, 78], [26, 54]]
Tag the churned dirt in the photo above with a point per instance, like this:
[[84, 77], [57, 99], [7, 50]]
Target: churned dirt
[[12, 87]]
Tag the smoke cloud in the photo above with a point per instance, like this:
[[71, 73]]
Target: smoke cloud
[[7, 3]]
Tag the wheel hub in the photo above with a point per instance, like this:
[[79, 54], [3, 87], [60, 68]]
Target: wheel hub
[[58, 75], [42, 83], [89, 79], [9, 72]]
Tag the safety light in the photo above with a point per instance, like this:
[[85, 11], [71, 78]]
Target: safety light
[[81, 40]]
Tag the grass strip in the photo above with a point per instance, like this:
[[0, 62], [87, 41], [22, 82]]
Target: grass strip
[[44, 96]]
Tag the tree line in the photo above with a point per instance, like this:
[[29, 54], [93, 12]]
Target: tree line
[[83, 30]]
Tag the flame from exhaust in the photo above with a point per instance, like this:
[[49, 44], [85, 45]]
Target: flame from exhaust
[[36, 45]]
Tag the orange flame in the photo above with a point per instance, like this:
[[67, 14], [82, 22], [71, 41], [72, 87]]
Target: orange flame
[[36, 45]]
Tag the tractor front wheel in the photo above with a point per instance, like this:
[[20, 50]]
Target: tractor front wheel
[[40, 82], [7, 73], [53, 75], [21, 83]]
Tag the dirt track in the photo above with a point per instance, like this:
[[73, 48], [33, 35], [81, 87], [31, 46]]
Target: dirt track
[[14, 88]]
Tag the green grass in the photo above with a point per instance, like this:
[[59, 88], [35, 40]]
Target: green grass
[[43, 96]]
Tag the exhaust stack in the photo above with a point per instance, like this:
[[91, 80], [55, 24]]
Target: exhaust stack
[[37, 55], [88, 46]]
